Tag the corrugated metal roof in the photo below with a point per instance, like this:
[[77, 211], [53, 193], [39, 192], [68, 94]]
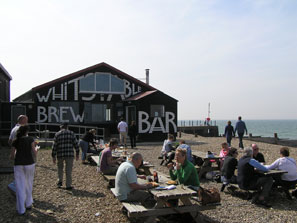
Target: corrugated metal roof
[[5, 72], [141, 95]]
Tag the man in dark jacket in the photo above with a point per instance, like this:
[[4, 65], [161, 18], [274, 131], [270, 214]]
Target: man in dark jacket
[[249, 179], [240, 128], [229, 133]]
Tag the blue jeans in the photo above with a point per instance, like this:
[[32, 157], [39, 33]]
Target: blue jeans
[[84, 149]]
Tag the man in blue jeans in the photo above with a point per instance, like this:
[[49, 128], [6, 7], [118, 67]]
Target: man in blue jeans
[[240, 128]]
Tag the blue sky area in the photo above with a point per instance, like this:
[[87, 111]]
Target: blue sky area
[[237, 55]]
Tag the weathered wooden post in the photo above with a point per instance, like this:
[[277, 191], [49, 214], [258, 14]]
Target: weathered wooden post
[[275, 138]]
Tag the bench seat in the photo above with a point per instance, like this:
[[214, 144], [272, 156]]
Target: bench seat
[[136, 209]]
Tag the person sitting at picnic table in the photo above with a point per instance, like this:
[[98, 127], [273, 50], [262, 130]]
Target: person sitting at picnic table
[[88, 137], [106, 164], [183, 145], [249, 179], [228, 169], [257, 155], [288, 164], [126, 186], [223, 153], [183, 170], [167, 152]]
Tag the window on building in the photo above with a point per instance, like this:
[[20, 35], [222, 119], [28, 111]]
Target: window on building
[[87, 84], [95, 113], [102, 83], [157, 110]]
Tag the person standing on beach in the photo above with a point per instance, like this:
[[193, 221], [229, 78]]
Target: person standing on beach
[[24, 167], [229, 133], [64, 141], [240, 128], [132, 134], [123, 130]]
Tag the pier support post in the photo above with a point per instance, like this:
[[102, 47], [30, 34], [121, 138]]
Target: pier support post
[[275, 138]]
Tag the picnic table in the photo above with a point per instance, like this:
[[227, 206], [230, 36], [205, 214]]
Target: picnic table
[[181, 193], [207, 164]]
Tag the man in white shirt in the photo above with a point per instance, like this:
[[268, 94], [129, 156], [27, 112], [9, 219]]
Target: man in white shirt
[[123, 130], [126, 186], [288, 164]]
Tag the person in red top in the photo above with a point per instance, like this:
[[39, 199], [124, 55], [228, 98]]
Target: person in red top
[[223, 153]]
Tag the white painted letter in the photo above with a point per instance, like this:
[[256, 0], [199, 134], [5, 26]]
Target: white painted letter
[[52, 111], [41, 111], [77, 117], [43, 98], [170, 120], [154, 128], [127, 89], [63, 110], [142, 121]]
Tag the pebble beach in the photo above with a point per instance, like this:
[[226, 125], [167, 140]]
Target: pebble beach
[[92, 201]]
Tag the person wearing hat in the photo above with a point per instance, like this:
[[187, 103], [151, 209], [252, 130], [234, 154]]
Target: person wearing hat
[[62, 150]]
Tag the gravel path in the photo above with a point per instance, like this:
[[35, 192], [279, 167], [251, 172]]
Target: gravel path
[[91, 195]]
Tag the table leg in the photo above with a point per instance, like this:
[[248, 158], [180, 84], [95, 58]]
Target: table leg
[[197, 218]]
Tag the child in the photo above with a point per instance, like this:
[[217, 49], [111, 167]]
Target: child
[[223, 153]]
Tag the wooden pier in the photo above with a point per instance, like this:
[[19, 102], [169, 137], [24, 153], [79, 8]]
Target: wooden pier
[[207, 131]]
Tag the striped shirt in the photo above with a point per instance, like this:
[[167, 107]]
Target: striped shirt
[[64, 141]]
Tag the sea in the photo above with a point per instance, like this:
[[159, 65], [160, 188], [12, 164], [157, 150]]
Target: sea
[[285, 129]]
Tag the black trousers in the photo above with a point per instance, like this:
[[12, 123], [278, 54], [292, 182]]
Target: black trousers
[[133, 141]]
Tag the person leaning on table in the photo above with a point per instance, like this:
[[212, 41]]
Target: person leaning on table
[[126, 186], [183, 171], [288, 164], [249, 179]]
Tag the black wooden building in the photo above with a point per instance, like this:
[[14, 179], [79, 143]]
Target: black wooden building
[[99, 96], [5, 79]]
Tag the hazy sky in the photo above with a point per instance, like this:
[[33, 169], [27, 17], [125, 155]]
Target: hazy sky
[[238, 55]]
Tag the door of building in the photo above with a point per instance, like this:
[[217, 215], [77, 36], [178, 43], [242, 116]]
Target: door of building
[[16, 111], [130, 114]]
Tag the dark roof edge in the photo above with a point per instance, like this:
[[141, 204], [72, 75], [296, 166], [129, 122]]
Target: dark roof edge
[[90, 68], [17, 98], [5, 72]]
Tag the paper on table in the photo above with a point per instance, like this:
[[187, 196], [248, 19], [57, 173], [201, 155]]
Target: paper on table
[[165, 188], [170, 187]]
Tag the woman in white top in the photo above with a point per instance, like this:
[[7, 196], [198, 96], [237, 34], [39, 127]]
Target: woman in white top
[[288, 164]]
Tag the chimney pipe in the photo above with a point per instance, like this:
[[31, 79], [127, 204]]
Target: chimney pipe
[[147, 76]]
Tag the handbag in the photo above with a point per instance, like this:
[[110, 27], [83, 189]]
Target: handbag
[[208, 195]]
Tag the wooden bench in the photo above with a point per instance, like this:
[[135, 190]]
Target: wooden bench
[[95, 159], [109, 178], [137, 210]]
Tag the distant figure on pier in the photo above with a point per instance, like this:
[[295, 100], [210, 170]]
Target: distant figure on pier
[[229, 133], [240, 128], [257, 155]]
